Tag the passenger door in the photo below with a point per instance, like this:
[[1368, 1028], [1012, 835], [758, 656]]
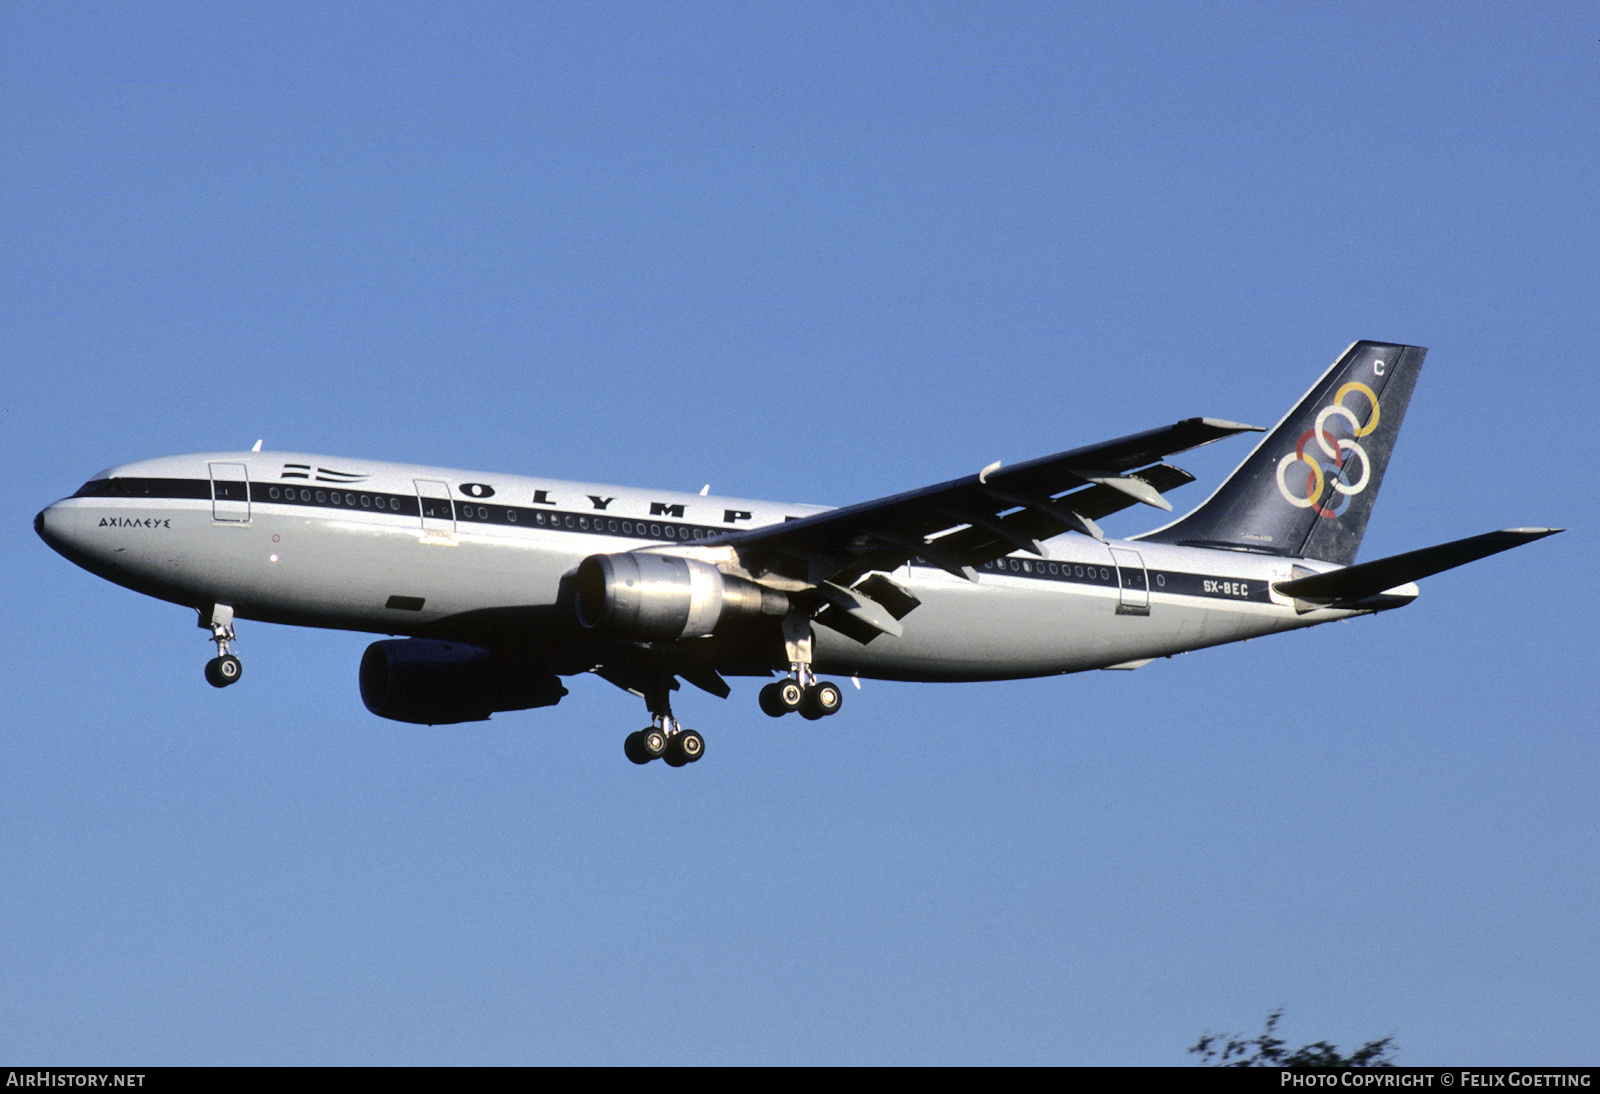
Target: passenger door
[[230, 492], [438, 513], [1133, 585]]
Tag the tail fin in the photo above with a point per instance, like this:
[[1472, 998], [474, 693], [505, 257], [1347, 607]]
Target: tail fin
[[1309, 486]]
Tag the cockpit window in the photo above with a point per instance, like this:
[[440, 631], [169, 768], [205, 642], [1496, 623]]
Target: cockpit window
[[113, 488], [127, 487]]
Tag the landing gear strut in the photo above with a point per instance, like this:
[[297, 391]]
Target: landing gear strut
[[224, 668], [665, 738], [802, 690]]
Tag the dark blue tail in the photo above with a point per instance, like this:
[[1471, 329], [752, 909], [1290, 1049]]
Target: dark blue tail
[[1308, 488]]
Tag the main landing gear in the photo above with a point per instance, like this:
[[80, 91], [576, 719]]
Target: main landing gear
[[813, 699], [224, 668], [667, 740], [664, 739], [802, 690]]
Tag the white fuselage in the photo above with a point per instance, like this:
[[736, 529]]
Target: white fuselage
[[407, 550]]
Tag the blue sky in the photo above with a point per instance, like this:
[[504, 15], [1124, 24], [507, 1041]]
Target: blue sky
[[815, 253]]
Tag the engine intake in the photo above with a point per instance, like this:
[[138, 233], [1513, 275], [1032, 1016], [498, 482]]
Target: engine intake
[[661, 598], [433, 683]]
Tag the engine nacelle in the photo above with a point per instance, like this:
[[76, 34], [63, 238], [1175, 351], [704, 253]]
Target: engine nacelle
[[661, 598], [440, 683]]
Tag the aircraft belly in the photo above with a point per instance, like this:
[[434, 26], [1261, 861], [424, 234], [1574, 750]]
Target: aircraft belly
[[1011, 630], [1002, 630]]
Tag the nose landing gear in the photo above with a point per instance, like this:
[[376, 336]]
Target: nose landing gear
[[224, 668]]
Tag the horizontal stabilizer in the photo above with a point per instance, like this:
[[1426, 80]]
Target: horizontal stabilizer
[[1370, 578]]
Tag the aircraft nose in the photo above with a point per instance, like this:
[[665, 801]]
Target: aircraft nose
[[47, 525]]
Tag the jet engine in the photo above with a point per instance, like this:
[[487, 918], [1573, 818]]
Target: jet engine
[[440, 683], [661, 598]]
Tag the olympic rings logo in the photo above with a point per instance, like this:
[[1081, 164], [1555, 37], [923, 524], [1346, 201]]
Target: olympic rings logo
[[1339, 453]]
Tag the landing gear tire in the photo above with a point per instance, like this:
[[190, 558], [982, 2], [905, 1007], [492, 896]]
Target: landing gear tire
[[772, 701], [690, 745], [633, 748], [821, 699], [224, 670], [781, 697], [653, 743], [791, 694], [684, 747]]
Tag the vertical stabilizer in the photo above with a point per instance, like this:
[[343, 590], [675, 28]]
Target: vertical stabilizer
[[1309, 486]]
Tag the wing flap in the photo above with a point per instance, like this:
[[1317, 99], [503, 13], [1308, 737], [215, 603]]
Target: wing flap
[[1037, 521]]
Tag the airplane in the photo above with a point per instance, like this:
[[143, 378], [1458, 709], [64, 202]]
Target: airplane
[[503, 584]]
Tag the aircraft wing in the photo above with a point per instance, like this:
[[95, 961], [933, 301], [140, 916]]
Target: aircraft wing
[[966, 522]]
